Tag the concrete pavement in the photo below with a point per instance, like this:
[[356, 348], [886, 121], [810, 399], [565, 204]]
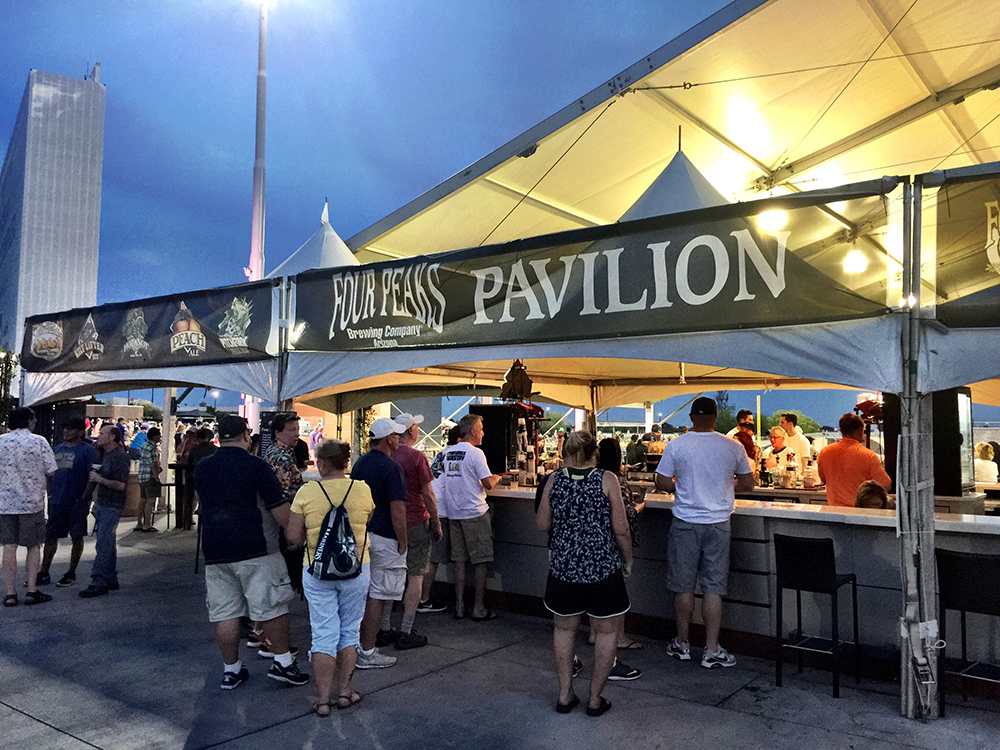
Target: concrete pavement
[[139, 669]]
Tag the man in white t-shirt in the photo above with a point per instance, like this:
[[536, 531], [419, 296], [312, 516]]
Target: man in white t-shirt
[[795, 441], [464, 484], [704, 470]]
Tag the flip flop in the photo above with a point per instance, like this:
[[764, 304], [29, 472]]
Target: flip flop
[[10, 600], [565, 708], [490, 615], [321, 709], [346, 701], [603, 707], [630, 645]]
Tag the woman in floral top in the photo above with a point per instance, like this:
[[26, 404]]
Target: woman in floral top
[[590, 553]]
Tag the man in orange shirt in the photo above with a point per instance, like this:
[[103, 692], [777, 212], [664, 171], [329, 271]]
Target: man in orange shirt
[[844, 465]]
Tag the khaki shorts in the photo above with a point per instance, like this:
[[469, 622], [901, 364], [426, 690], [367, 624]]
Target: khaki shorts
[[22, 529], [388, 569], [441, 550], [259, 589], [698, 553], [472, 539], [418, 548]]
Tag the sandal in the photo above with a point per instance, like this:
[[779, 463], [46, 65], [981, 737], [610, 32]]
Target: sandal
[[600, 709], [346, 701], [565, 708], [10, 600], [321, 708], [37, 597], [630, 645]]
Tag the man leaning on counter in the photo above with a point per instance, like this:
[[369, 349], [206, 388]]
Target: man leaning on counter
[[846, 464]]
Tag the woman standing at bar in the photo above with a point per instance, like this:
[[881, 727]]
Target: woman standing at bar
[[590, 553], [335, 607]]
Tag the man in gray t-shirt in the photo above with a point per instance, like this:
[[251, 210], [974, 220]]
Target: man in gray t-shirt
[[111, 481], [704, 470]]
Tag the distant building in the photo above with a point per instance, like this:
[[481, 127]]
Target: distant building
[[50, 201]]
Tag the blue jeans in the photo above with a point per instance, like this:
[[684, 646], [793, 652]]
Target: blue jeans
[[105, 570]]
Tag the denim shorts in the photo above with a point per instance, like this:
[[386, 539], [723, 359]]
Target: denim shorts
[[335, 610]]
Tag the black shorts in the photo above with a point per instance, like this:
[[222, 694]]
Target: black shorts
[[607, 598], [67, 519]]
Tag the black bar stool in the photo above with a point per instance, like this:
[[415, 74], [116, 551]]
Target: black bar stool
[[809, 565], [967, 582]]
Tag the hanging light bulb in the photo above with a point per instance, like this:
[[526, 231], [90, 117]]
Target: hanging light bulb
[[770, 221], [855, 262]]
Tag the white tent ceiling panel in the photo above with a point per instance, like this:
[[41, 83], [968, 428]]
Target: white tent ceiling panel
[[256, 378], [645, 366], [783, 93]]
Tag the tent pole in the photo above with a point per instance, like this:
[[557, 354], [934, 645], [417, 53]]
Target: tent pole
[[915, 490]]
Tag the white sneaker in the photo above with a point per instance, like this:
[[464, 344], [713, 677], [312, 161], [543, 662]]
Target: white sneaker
[[720, 658], [375, 660], [679, 650]]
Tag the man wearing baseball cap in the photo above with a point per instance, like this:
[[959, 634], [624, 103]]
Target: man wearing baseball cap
[[242, 507], [68, 503], [422, 526], [386, 537], [704, 469]]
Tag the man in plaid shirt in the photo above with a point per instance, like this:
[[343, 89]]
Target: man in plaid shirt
[[149, 480]]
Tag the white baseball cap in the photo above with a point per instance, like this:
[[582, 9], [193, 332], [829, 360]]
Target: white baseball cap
[[384, 427], [408, 420]]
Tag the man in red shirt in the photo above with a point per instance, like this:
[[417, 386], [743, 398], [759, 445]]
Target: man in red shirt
[[846, 464], [422, 526]]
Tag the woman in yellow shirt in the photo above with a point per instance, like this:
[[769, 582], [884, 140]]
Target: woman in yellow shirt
[[335, 607]]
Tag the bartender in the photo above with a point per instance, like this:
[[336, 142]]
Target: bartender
[[797, 442], [777, 453]]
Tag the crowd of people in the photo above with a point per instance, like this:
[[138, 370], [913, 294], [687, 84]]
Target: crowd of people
[[267, 532]]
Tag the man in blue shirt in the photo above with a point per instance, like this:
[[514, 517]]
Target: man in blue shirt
[[68, 503], [386, 538]]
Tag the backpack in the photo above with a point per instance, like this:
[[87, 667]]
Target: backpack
[[336, 556]]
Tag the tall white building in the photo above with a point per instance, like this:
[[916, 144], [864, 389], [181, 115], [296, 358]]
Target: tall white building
[[50, 202]]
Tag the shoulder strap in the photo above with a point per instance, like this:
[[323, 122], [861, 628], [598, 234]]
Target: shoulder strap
[[344, 500]]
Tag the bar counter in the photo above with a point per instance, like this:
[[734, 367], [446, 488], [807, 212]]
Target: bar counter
[[865, 542]]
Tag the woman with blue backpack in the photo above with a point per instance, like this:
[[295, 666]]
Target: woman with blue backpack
[[331, 518]]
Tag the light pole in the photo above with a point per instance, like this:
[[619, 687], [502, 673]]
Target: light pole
[[255, 271], [215, 395]]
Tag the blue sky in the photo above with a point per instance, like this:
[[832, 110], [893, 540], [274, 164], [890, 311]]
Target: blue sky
[[369, 104]]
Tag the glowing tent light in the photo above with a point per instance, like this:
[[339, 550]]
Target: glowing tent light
[[855, 262], [770, 221]]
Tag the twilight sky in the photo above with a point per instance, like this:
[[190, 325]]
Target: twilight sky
[[369, 104]]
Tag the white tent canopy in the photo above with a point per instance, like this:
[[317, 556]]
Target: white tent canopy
[[324, 249]]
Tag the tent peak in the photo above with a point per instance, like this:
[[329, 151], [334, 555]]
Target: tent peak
[[325, 216], [679, 187]]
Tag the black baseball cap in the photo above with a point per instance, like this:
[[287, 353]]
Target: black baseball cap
[[232, 426], [703, 406], [76, 423]]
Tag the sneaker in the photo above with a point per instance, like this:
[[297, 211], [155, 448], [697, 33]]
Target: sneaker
[[720, 658], [67, 580], [267, 651], [413, 639], [385, 637], [430, 605], [91, 591], [43, 579], [113, 586], [376, 660], [232, 680], [679, 650], [256, 640], [577, 665], [623, 672], [289, 674]]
